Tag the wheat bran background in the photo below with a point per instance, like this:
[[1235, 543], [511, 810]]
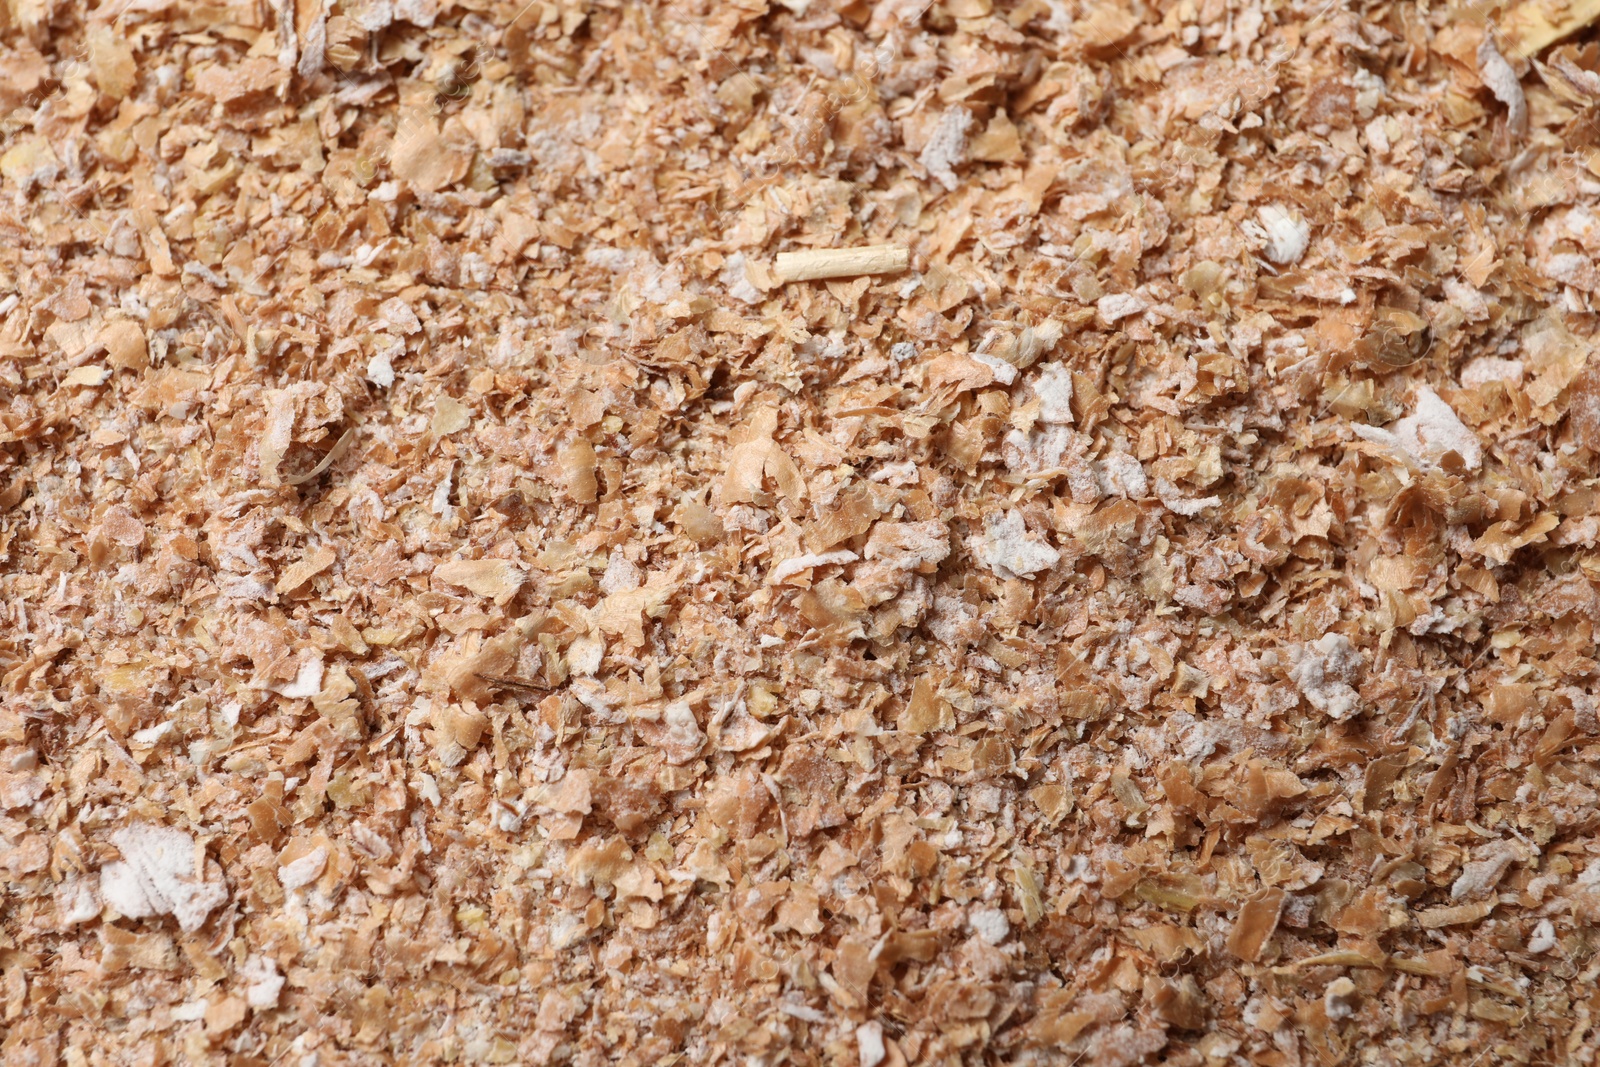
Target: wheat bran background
[[461, 606]]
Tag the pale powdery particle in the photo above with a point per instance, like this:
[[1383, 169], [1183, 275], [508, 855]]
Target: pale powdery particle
[[1428, 434], [1486, 369], [990, 924], [156, 876], [1114, 306], [947, 147], [621, 575], [869, 1044], [1323, 672], [909, 545], [1054, 389], [585, 654], [794, 565], [398, 314], [684, 735], [610, 257], [265, 983], [1502, 81], [1119, 474], [1370, 90], [153, 734], [307, 682], [1004, 373], [897, 474], [738, 281], [1006, 548], [1485, 872], [1544, 937], [566, 929], [1590, 876], [76, 902], [439, 503], [417, 12], [1046, 447], [304, 870], [1433, 430], [1378, 137], [1468, 300], [1339, 999], [380, 371], [1287, 236], [1170, 498]]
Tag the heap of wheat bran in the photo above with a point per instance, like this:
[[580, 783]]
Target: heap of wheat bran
[[597, 532]]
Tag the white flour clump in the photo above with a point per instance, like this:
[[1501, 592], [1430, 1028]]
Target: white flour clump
[[990, 924], [1287, 236], [1114, 306], [156, 876], [1434, 430], [1429, 433], [265, 982], [1006, 548], [947, 147], [1323, 673], [1485, 872], [1119, 474], [1054, 388]]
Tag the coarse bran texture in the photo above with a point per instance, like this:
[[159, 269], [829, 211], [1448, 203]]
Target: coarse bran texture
[[460, 605]]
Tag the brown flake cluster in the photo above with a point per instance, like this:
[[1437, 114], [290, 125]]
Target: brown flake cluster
[[461, 600]]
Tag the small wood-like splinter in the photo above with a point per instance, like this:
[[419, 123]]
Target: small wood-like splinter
[[817, 263], [514, 684]]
